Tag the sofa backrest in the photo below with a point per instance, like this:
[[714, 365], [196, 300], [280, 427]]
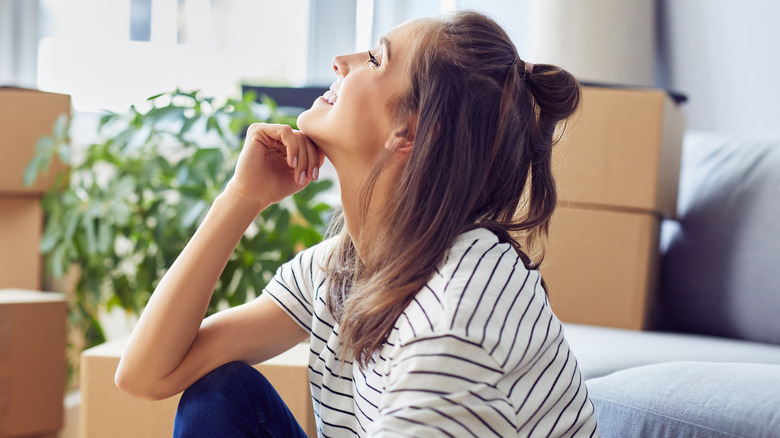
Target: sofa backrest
[[720, 268]]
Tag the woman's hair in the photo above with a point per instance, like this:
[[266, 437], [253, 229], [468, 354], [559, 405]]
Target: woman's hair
[[483, 128]]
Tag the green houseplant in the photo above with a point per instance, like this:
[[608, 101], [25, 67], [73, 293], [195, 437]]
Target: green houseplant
[[131, 201]]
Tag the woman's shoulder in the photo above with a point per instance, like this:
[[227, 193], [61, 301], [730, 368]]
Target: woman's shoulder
[[476, 262], [481, 299], [477, 242], [473, 289]]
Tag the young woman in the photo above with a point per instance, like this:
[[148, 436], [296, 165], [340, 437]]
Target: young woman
[[425, 317]]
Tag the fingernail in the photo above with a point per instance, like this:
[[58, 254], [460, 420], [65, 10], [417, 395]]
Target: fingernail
[[315, 173], [295, 161], [302, 178]]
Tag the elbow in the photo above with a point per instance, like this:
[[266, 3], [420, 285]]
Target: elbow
[[131, 384]]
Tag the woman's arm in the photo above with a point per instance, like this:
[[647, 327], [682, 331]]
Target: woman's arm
[[172, 346]]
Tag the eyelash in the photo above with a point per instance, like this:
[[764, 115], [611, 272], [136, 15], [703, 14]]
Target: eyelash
[[372, 59]]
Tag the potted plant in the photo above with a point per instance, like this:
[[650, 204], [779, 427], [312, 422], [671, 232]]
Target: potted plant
[[132, 199]]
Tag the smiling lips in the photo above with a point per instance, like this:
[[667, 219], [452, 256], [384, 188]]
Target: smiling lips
[[331, 95]]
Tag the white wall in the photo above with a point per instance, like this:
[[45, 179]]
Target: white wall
[[725, 55]]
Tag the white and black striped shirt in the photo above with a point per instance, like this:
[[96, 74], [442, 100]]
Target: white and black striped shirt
[[477, 353]]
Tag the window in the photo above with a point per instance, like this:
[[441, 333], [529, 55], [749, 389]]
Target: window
[[109, 55]]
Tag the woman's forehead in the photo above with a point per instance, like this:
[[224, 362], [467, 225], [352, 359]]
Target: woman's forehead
[[410, 28]]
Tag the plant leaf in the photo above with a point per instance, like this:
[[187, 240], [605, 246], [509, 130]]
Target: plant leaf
[[61, 127], [31, 171]]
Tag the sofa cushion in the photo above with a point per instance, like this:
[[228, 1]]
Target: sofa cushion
[[719, 273], [603, 350], [689, 399]]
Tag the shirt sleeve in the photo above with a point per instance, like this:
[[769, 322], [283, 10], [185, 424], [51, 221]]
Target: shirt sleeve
[[443, 385], [293, 285]]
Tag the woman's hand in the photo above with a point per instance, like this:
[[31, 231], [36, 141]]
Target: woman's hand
[[171, 346], [275, 162]]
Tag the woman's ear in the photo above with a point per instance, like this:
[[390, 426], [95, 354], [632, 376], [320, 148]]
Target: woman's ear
[[402, 139]]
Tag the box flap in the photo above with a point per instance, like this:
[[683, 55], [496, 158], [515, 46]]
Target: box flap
[[676, 96], [15, 296]]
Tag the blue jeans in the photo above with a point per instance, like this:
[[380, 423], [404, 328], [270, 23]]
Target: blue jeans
[[234, 400]]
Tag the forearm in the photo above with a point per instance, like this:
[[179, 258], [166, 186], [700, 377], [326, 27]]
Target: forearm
[[172, 318]]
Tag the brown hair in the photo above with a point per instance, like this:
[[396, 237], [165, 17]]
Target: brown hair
[[481, 158]]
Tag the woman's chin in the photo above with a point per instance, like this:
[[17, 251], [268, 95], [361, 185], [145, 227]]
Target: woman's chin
[[301, 120], [308, 126], [307, 120]]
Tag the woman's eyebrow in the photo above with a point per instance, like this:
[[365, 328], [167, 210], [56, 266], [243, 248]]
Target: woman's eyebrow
[[385, 42]]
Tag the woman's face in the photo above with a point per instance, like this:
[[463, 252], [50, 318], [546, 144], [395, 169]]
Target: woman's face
[[354, 119]]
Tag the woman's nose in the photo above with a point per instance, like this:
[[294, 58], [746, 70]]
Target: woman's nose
[[341, 65]]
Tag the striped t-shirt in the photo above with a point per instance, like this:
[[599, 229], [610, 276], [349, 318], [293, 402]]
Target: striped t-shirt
[[477, 353]]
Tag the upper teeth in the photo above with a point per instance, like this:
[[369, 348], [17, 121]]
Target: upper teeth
[[330, 96]]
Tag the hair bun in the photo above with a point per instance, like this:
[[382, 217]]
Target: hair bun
[[556, 91]]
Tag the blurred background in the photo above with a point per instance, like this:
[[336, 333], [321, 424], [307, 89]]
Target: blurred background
[[112, 55], [109, 54]]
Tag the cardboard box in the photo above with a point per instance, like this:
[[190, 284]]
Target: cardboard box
[[26, 116], [32, 362], [601, 266], [70, 421], [106, 411], [21, 223], [622, 149]]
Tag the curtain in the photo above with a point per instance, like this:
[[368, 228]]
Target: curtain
[[18, 42]]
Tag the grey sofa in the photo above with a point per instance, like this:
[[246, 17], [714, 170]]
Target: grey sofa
[[710, 365]]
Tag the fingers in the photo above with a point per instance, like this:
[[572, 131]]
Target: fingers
[[303, 156], [312, 158]]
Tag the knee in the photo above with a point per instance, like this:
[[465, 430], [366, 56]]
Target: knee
[[222, 382], [218, 402], [233, 400]]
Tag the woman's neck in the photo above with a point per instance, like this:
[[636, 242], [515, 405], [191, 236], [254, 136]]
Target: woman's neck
[[351, 181], [351, 205]]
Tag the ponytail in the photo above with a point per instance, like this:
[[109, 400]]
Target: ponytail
[[555, 96]]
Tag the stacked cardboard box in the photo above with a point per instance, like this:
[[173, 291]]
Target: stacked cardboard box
[[32, 324], [108, 412], [32, 363], [25, 116], [617, 169]]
